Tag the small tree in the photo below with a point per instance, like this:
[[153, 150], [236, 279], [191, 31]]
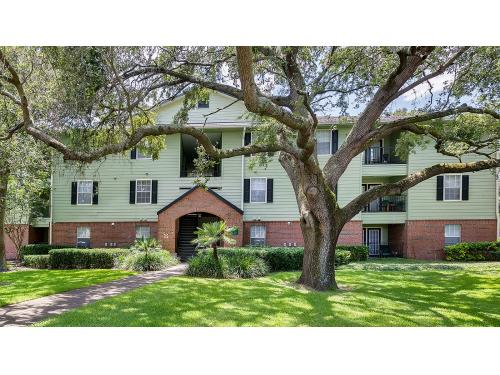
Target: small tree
[[211, 234]]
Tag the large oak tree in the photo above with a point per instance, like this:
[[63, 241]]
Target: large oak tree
[[285, 88]]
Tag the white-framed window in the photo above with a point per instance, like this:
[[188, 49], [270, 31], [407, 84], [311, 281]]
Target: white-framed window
[[142, 232], [257, 235], [141, 155], [84, 192], [452, 187], [324, 142], [452, 234], [258, 190], [83, 236], [143, 191]]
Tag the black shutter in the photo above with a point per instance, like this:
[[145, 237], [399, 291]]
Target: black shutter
[[133, 153], [246, 190], [336, 191], [74, 186], [335, 141], [439, 191], [465, 187], [132, 192], [154, 192], [269, 190], [95, 192], [248, 139]]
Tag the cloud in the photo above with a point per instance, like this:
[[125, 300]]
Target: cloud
[[422, 90]]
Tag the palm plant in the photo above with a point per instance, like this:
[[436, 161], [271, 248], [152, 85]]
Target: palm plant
[[211, 234]]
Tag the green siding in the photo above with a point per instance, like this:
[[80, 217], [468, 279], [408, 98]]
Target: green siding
[[116, 171], [422, 203]]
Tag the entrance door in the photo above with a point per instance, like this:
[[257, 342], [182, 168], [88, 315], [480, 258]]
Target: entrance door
[[371, 238]]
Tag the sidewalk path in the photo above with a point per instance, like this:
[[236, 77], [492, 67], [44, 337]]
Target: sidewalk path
[[29, 312]]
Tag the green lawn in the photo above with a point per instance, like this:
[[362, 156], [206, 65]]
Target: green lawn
[[24, 285], [374, 293]]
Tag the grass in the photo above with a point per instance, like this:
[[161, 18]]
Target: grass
[[374, 293], [25, 285]]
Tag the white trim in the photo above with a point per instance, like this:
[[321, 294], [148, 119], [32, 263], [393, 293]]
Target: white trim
[[91, 192], [243, 170], [265, 232], [444, 195], [329, 141], [265, 199], [150, 191]]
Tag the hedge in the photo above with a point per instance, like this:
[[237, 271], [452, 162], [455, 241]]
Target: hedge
[[84, 258], [473, 251], [38, 249], [36, 261], [291, 258]]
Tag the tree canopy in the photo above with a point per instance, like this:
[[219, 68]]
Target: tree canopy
[[89, 102]]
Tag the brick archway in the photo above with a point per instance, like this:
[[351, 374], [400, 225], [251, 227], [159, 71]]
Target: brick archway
[[196, 200]]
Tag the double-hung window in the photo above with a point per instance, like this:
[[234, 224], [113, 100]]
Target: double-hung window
[[258, 190], [84, 193], [452, 234], [83, 236], [142, 232], [143, 192], [324, 142], [141, 155], [452, 187], [257, 235]]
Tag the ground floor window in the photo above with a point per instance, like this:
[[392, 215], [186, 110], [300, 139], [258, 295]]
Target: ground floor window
[[83, 236], [257, 235], [452, 234], [142, 232]]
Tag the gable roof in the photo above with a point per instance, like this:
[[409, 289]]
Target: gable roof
[[209, 191]]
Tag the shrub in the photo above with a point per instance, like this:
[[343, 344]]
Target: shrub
[[84, 258], [358, 253], [473, 251], [246, 266], [147, 261], [240, 265], [342, 257], [36, 261], [146, 244], [204, 265], [38, 249], [290, 258]]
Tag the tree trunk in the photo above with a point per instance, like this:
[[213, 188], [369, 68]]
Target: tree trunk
[[217, 261], [4, 175], [319, 223]]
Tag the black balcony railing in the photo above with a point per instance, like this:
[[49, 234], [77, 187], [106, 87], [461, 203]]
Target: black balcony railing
[[381, 155], [396, 203]]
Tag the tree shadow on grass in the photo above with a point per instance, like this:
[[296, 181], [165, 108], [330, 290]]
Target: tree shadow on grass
[[437, 298]]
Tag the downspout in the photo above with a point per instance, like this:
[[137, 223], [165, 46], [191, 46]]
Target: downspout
[[243, 167], [50, 206]]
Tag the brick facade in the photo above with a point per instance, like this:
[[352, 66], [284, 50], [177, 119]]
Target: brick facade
[[10, 248], [279, 233], [424, 239], [123, 233], [196, 200]]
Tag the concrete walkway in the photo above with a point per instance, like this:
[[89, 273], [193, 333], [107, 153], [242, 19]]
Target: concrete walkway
[[29, 312]]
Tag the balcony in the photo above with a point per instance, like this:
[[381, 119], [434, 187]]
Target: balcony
[[381, 155], [394, 203], [382, 161], [385, 210]]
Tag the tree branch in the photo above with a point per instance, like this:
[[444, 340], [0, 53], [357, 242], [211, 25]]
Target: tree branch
[[439, 71], [259, 104]]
